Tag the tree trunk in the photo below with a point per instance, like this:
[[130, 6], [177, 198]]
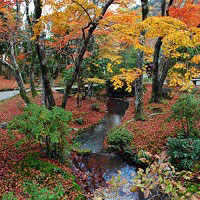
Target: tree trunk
[[33, 53], [139, 114], [163, 76], [155, 97], [7, 74], [68, 87], [20, 83], [156, 83], [1, 70], [50, 103], [31, 72], [86, 38], [41, 55], [18, 76]]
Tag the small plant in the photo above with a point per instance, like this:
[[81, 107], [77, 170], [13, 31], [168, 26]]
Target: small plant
[[195, 91], [95, 107], [187, 111], [184, 153], [49, 128], [35, 192], [9, 196], [161, 181], [80, 121], [158, 181], [119, 138]]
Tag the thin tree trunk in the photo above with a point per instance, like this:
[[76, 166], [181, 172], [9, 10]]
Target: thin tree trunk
[[86, 38], [155, 98], [1, 70], [50, 101], [20, 83], [33, 53], [157, 83], [68, 88], [41, 55], [163, 76], [18, 77], [139, 114], [31, 73]]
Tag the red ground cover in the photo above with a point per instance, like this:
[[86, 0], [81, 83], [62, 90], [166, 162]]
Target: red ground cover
[[12, 84], [10, 156], [9, 84], [151, 134]]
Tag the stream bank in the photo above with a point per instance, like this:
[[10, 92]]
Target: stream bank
[[99, 166]]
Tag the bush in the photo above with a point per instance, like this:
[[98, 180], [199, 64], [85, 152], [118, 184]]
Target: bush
[[119, 138], [49, 128], [120, 92], [37, 193], [184, 153], [187, 110], [9, 196], [95, 107]]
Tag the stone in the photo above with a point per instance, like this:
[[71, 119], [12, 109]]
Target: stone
[[4, 125]]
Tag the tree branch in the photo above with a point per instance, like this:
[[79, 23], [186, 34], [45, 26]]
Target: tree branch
[[84, 10], [6, 64], [170, 4]]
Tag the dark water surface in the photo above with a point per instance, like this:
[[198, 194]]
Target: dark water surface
[[109, 164]]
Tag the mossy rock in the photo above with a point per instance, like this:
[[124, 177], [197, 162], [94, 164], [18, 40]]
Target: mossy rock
[[83, 152]]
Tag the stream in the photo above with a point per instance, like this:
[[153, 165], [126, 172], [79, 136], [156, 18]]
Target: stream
[[104, 165]]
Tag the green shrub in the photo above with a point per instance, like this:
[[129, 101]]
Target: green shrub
[[184, 153], [9, 196], [119, 138], [49, 128], [95, 107], [187, 110], [79, 120], [35, 192], [32, 161]]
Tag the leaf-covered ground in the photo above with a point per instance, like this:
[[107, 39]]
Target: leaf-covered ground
[[152, 133], [9, 84], [11, 174], [12, 84]]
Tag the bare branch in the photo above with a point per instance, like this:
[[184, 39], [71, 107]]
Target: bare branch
[[84, 10], [170, 4], [6, 64]]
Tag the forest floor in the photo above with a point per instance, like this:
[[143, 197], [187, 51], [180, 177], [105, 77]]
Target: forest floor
[[12, 158], [12, 84], [151, 135]]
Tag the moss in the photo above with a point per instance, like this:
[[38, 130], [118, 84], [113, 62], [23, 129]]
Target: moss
[[33, 161], [83, 152]]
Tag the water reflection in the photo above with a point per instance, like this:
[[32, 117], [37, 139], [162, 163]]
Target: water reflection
[[107, 164], [93, 139]]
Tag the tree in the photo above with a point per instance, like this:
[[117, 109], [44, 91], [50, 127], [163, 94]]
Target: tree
[[33, 52], [139, 115], [81, 20], [10, 23], [40, 49]]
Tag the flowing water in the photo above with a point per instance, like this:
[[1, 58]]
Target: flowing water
[[103, 164]]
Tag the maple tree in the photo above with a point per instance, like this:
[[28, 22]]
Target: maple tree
[[10, 22], [81, 18], [171, 34]]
